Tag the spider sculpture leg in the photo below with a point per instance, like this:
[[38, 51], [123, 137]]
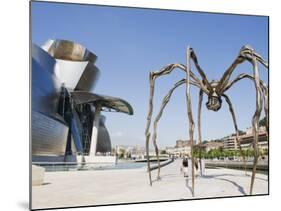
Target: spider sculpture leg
[[264, 92], [193, 57], [255, 121], [247, 53], [265, 99], [147, 134], [189, 112], [152, 77], [199, 127], [165, 101], [236, 129]]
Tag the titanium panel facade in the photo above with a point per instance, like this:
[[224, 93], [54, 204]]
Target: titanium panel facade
[[49, 136], [62, 121], [68, 50]]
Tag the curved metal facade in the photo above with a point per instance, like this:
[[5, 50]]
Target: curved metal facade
[[76, 67], [49, 136], [45, 84], [68, 50], [61, 124], [104, 142]]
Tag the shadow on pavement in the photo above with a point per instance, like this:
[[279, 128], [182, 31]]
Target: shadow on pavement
[[188, 187], [23, 205]]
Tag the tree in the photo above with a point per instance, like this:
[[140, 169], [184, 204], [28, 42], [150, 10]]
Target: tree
[[265, 151], [163, 152], [121, 153]]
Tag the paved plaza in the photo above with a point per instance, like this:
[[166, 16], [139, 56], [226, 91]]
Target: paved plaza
[[82, 188]]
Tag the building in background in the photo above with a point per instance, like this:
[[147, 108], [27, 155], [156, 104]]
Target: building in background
[[182, 148], [248, 138], [211, 145], [230, 143], [136, 152], [66, 112]]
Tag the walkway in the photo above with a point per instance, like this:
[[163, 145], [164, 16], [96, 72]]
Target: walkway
[[78, 188]]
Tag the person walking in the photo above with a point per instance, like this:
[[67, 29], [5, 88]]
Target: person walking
[[185, 167]]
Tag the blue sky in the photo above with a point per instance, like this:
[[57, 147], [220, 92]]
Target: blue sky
[[131, 42]]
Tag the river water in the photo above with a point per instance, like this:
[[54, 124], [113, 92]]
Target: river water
[[93, 166]]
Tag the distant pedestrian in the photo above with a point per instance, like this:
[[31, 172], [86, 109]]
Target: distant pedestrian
[[185, 167]]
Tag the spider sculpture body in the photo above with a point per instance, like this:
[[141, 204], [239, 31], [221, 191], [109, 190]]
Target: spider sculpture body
[[215, 90]]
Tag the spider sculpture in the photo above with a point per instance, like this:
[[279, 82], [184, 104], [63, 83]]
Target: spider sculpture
[[215, 90]]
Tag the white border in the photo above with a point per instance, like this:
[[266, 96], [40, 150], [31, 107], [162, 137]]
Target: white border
[[15, 102]]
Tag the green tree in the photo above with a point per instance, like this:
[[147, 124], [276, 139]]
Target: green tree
[[121, 153], [265, 152], [163, 152]]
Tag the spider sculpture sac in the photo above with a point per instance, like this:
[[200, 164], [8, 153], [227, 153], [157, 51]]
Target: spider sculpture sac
[[215, 90]]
